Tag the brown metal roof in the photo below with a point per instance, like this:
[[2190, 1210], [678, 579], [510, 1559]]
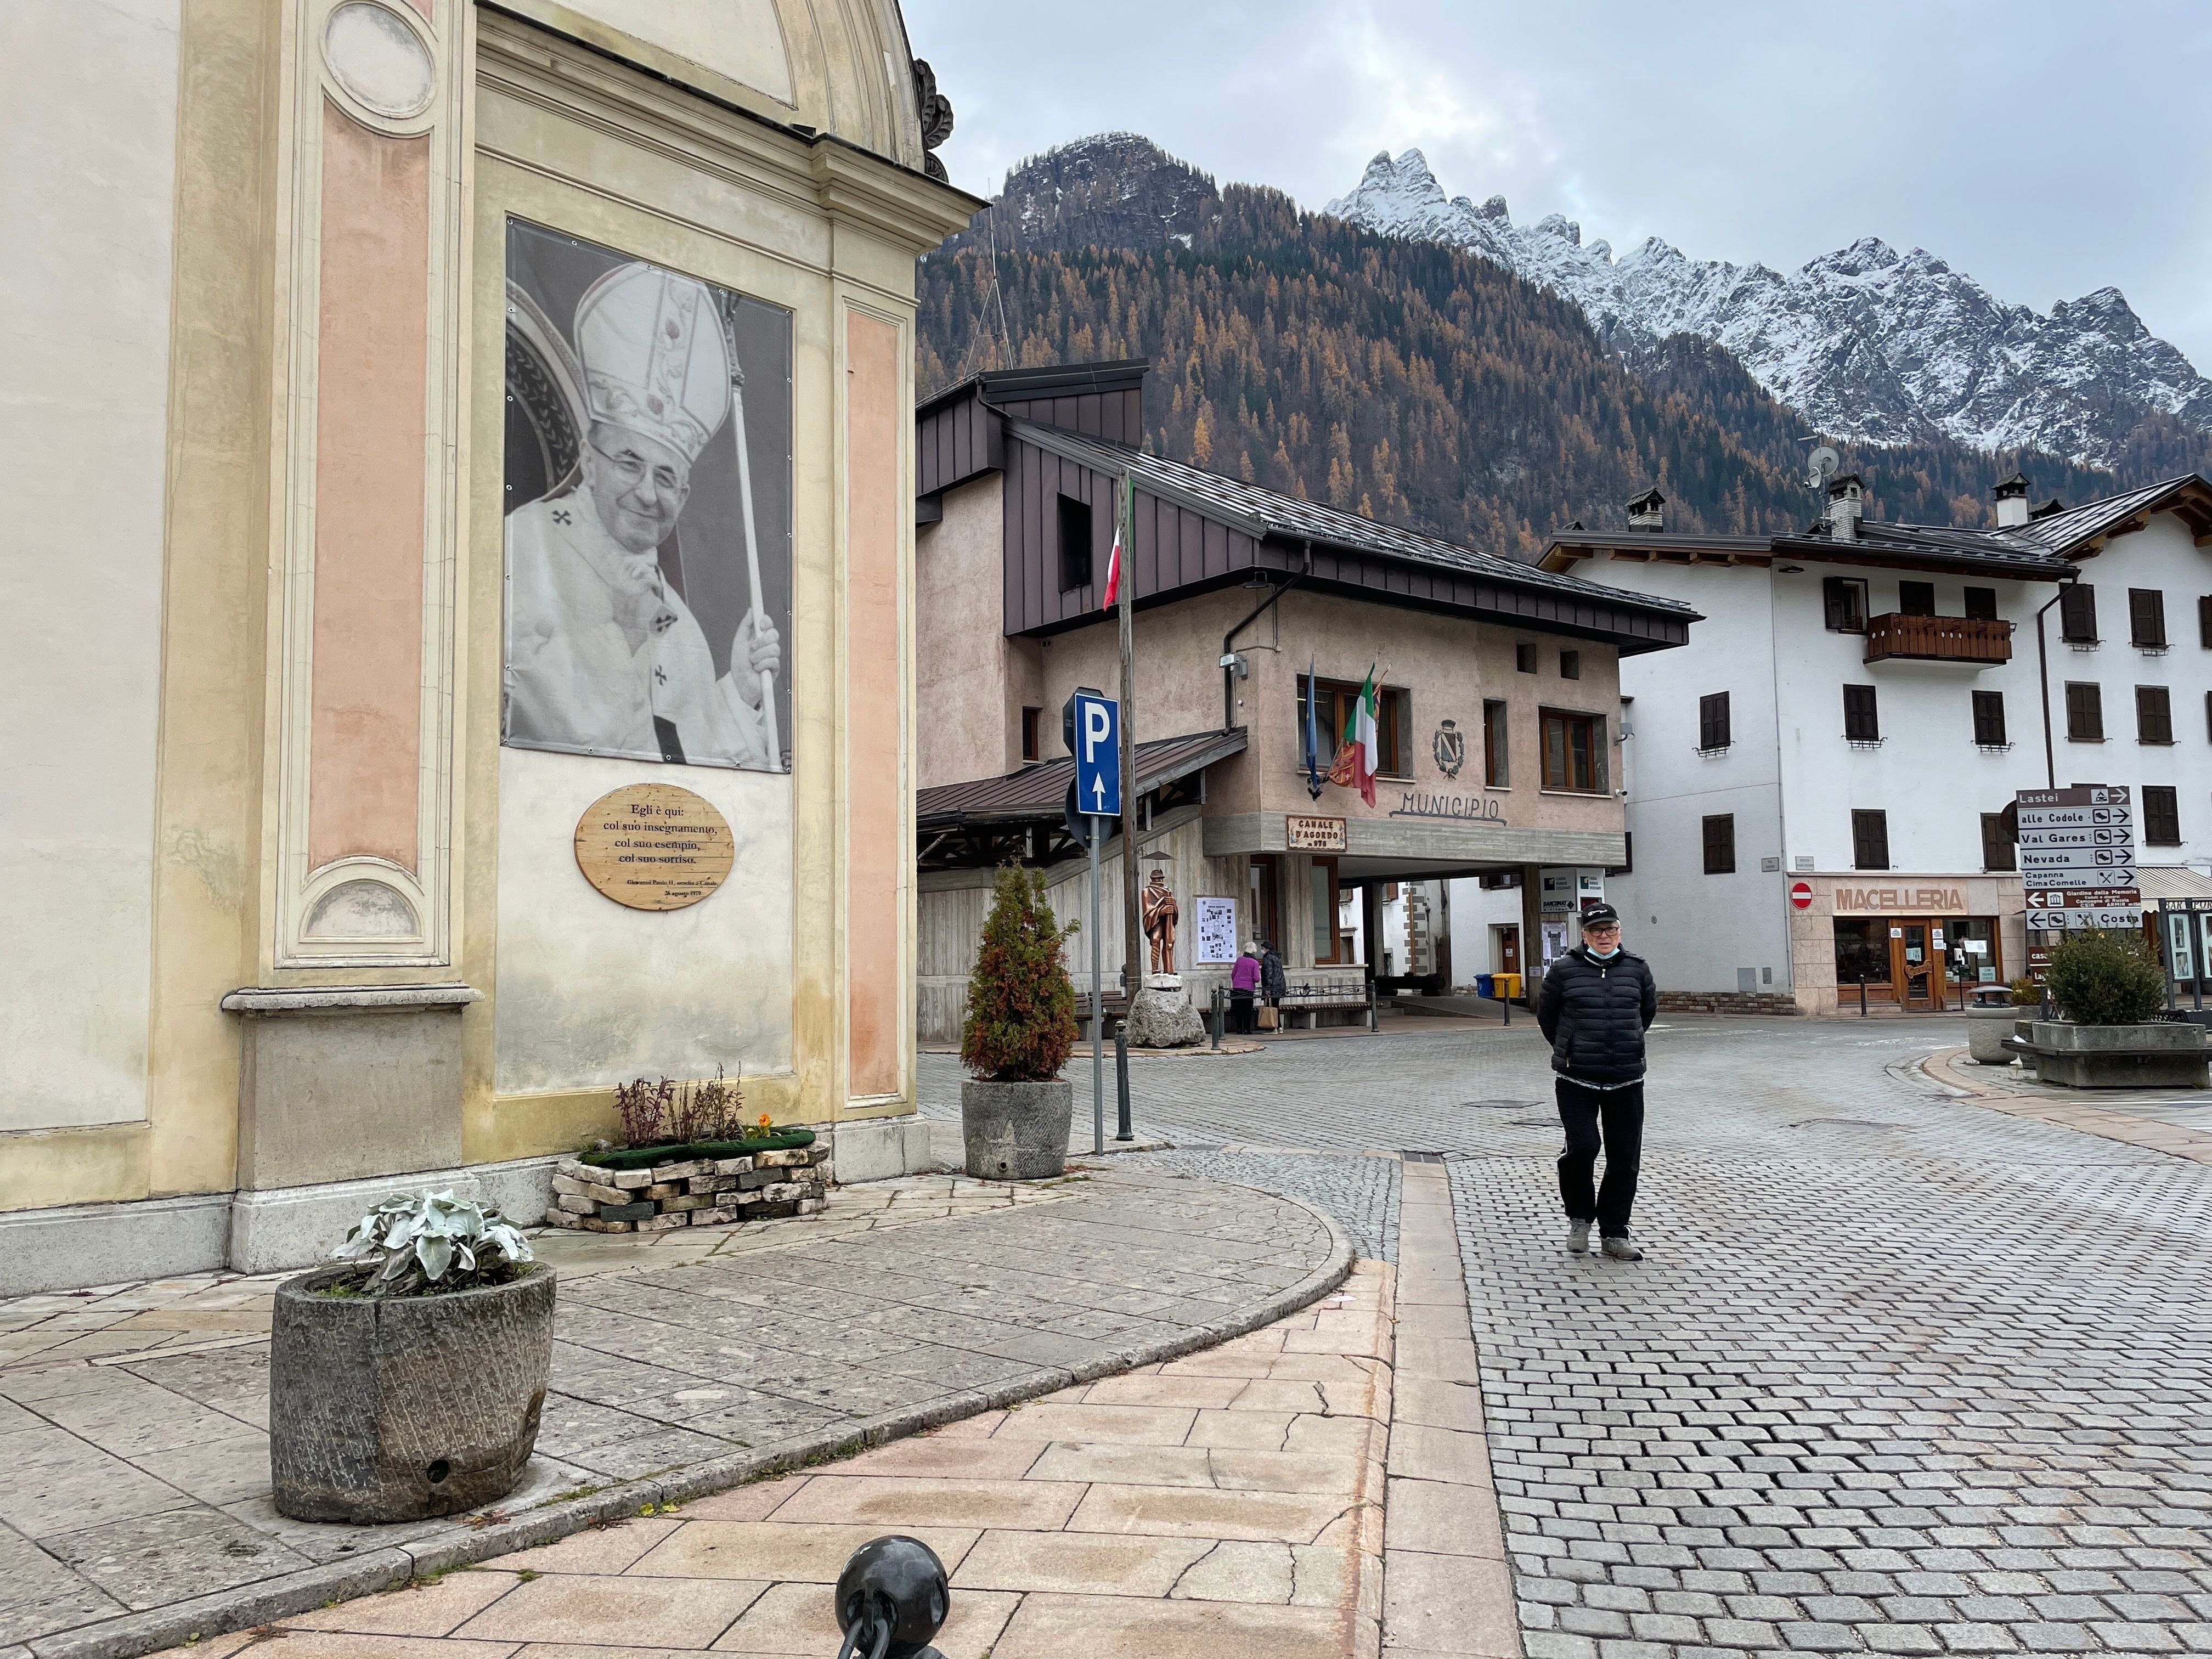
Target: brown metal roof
[[1041, 791]]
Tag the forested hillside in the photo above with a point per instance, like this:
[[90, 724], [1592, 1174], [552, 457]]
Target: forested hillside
[[1416, 383]]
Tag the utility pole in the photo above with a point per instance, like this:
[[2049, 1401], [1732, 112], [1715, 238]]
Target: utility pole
[[1133, 957]]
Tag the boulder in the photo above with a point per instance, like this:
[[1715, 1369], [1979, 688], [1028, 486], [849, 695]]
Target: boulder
[[1165, 1019]]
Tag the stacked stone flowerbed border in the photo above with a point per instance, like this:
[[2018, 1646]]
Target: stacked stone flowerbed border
[[689, 1189]]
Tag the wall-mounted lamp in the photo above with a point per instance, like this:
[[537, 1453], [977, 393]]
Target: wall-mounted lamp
[[1789, 569]]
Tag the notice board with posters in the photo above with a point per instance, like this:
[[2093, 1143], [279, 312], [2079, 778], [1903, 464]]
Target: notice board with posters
[[1217, 931]]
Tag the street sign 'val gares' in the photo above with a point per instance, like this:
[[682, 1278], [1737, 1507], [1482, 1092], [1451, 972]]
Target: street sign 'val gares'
[[2077, 857]]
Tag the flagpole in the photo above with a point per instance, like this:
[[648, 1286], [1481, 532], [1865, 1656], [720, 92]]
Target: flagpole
[[1124, 512]]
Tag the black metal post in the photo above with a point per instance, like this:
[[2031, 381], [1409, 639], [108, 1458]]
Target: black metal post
[[1214, 1015], [1374, 1019], [1862, 1014], [1121, 1129]]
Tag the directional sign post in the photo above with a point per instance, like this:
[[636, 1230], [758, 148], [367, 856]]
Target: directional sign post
[[2077, 858], [1091, 724]]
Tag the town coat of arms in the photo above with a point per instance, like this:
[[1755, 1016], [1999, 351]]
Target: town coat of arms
[[1449, 748]]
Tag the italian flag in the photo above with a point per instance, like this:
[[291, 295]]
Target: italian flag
[[1362, 741], [1113, 573]]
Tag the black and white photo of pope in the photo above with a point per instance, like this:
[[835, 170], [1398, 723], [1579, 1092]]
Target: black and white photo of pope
[[638, 624]]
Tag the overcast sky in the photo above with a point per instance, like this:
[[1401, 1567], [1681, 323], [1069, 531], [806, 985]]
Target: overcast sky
[[2049, 147]]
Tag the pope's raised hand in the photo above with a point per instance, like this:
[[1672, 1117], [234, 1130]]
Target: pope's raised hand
[[756, 649]]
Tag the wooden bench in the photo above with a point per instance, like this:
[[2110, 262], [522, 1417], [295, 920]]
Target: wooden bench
[[1310, 1000]]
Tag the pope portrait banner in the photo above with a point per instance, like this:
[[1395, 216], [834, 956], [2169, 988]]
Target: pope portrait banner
[[647, 509]]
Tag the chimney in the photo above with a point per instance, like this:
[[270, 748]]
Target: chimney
[[1844, 497], [1648, 512], [2012, 500]]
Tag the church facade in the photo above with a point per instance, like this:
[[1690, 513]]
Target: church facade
[[462, 660]]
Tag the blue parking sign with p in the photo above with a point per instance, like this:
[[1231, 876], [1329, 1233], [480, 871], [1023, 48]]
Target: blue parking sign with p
[[1098, 756]]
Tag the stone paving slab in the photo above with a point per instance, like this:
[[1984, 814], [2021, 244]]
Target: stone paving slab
[[1104, 1519], [684, 1362], [2176, 1122]]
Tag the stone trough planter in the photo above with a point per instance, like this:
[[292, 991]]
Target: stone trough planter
[[690, 1191], [1017, 1131], [398, 1408], [2154, 1056]]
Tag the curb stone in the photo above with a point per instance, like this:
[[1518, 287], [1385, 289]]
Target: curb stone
[[131, 1635]]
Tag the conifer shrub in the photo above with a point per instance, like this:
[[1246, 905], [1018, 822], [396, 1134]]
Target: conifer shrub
[[1021, 1003], [2106, 979]]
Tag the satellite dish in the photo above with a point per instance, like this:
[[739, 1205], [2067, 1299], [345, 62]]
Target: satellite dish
[[1823, 461]]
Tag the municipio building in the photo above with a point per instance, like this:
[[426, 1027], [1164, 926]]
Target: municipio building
[[1821, 796], [1499, 701]]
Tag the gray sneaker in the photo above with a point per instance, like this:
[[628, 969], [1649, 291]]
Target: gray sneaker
[[1578, 1237], [1622, 1247]]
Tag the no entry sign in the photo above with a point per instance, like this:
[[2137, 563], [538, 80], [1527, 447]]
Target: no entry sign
[[1800, 894]]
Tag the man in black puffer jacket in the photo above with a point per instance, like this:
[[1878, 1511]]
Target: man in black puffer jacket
[[1596, 1002]]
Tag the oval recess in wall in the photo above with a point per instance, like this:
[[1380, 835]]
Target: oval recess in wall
[[379, 60]]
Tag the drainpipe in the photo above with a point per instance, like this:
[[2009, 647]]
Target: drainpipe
[[1229, 640], [2042, 671]]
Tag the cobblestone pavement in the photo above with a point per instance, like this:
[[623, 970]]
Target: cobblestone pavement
[[1359, 1189], [138, 1509], [1903, 1374]]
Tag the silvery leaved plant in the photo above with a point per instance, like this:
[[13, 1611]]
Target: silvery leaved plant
[[419, 1243]]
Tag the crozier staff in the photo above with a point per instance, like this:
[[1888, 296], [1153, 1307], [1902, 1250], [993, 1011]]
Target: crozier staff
[[602, 653]]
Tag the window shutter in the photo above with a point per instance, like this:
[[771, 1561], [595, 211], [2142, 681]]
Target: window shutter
[[2154, 714], [2204, 621], [2146, 616], [2085, 713], [1861, 721], [2161, 815], [1720, 844], [1990, 719], [2078, 613], [1600, 756], [1713, 720]]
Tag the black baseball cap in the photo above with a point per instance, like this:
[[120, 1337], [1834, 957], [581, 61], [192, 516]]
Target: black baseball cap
[[1599, 915]]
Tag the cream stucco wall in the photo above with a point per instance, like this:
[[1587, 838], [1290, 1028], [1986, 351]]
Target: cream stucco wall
[[90, 91], [972, 678]]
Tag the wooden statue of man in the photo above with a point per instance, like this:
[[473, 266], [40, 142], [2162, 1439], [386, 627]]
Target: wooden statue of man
[[1158, 901]]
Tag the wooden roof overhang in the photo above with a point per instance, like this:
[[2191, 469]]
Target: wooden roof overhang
[[1191, 538], [1761, 551]]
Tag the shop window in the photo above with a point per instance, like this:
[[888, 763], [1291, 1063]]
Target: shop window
[[1982, 603], [2161, 807], [2085, 713], [1713, 721], [1393, 722], [2154, 714], [1032, 719], [1524, 658], [1862, 952], [1861, 720], [1915, 598], [1870, 840], [1570, 665], [1075, 543], [1844, 602], [2077, 614], [1327, 944], [2147, 618], [1997, 850], [1970, 949], [1497, 769], [1720, 844], [1574, 751], [1989, 719]]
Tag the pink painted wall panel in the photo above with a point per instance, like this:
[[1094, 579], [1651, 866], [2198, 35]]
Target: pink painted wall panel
[[875, 849], [369, 439]]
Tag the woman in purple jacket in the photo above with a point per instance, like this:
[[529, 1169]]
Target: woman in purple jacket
[[1243, 981]]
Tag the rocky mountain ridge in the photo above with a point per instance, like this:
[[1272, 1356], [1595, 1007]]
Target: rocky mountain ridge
[[1865, 342]]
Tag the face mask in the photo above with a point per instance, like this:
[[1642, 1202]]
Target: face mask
[[1596, 955]]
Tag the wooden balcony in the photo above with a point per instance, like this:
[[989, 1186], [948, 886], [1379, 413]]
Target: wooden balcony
[[1975, 641]]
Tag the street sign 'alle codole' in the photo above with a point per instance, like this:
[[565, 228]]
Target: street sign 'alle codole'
[[2077, 857]]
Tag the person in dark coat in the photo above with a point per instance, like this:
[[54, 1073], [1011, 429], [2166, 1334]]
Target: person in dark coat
[[1597, 1002], [1272, 982]]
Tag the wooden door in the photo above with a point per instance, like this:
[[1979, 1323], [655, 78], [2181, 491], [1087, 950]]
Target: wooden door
[[1915, 970], [1509, 950]]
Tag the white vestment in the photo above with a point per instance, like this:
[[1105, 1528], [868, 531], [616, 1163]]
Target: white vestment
[[598, 645]]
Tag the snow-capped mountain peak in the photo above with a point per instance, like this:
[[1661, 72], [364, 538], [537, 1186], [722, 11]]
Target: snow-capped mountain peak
[[1866, 342]]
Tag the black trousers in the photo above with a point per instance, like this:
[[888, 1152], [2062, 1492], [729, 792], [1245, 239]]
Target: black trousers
[[1240, 1012], [1581, 1112]]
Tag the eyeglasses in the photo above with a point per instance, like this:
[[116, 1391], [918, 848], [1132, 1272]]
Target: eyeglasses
[[631, 468]]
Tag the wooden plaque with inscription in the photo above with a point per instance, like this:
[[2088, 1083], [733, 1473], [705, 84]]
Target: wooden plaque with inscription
[[655, 846]]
